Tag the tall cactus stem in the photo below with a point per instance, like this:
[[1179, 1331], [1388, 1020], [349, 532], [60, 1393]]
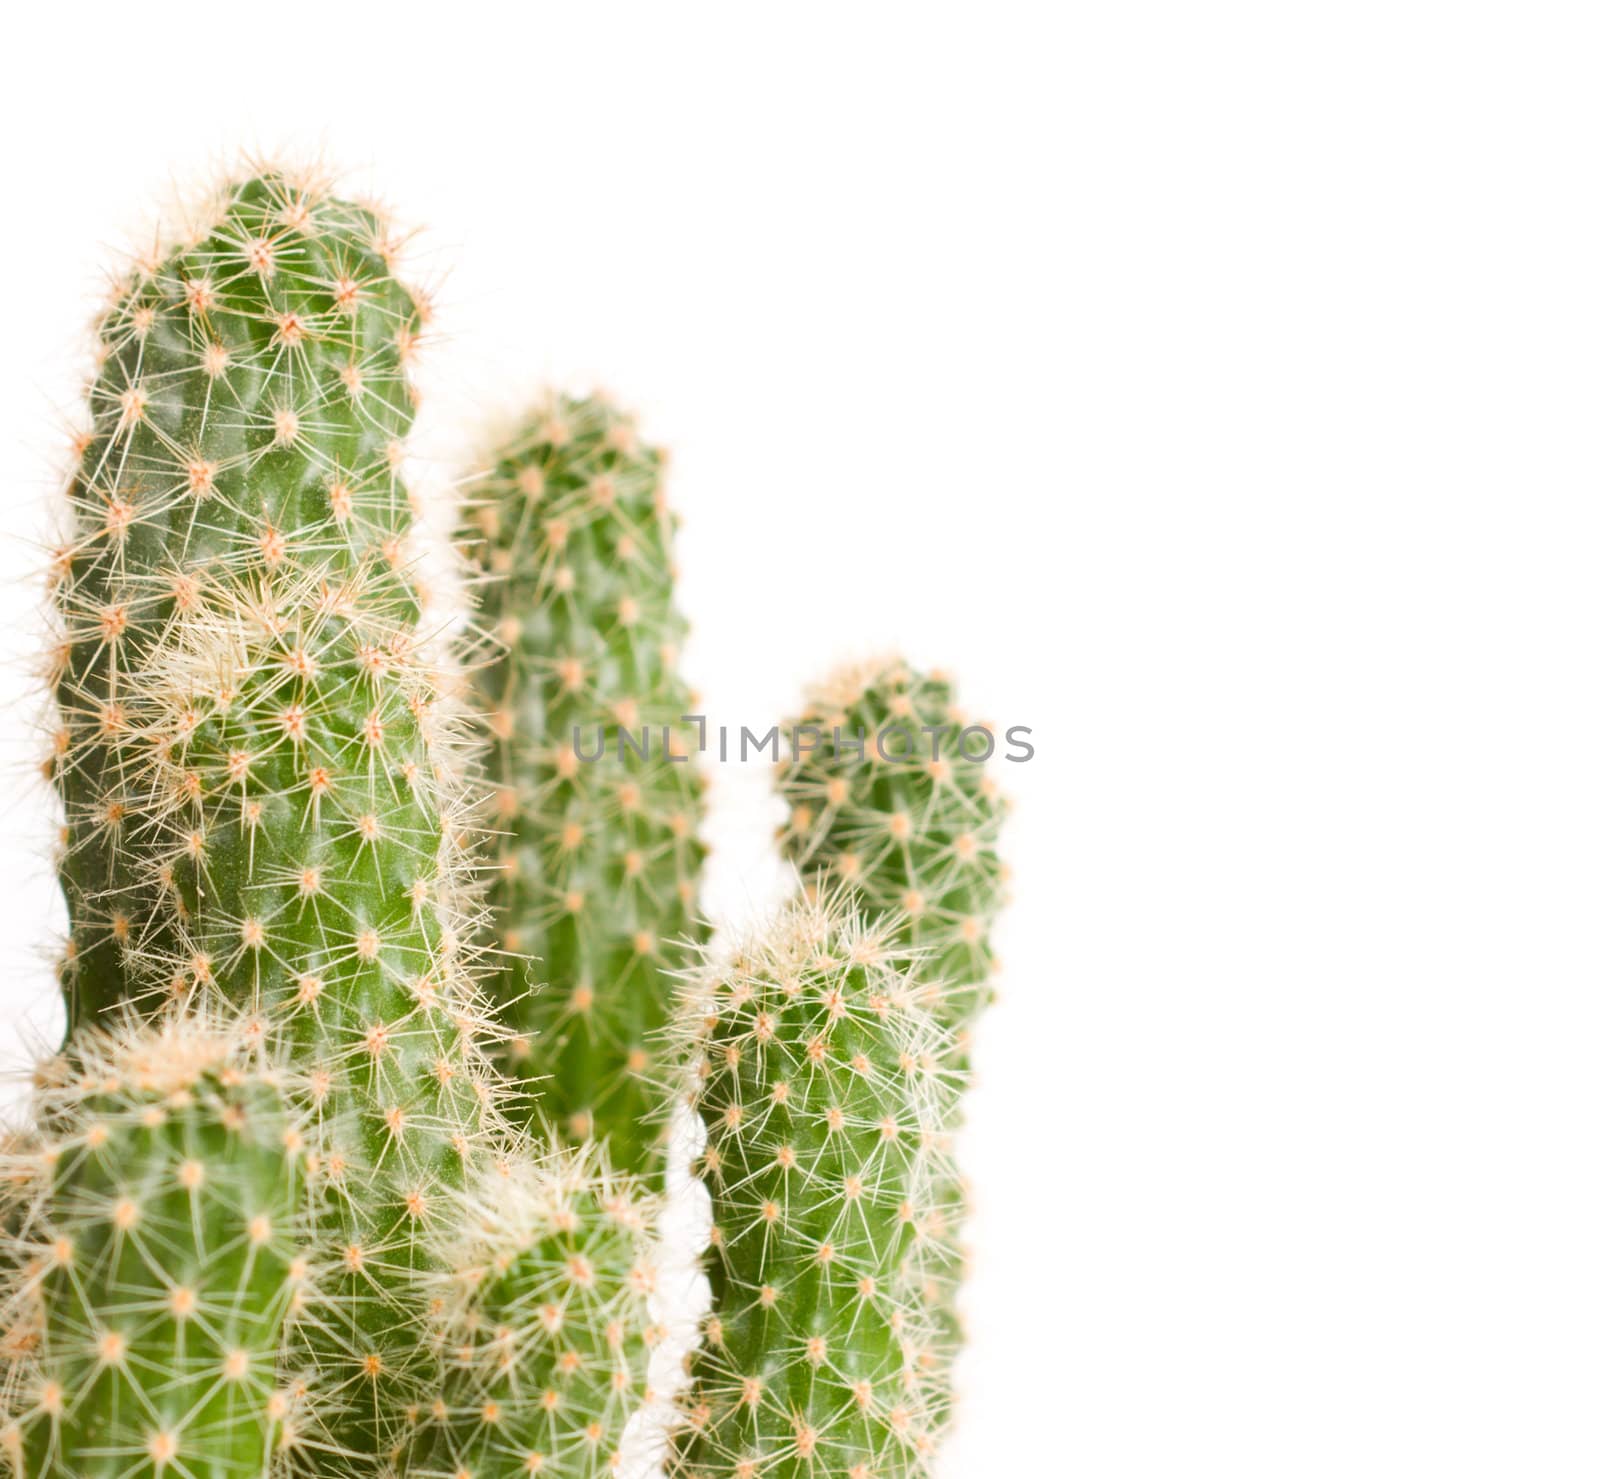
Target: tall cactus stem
[[594, 897]]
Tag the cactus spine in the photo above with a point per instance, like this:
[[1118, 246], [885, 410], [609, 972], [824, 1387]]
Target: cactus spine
[[158, 1260], [818, 1077], [252, 699], [599, 863], [544, 1319]]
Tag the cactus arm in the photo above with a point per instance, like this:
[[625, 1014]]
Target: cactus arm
[[283, 761], [159, 1260], [915, 836], [250, 398], [818, 1079], [599, 863], [545, 1323], [913, 829]]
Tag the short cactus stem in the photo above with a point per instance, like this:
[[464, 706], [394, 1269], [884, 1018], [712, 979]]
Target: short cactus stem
[[912, 827], [158, 1260], [821, 1083], [249, 406], [595, 893], [544, 1324]]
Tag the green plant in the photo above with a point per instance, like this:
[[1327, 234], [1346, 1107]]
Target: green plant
[[599, 859], [272, 1217], [247, 411], [157, 1256], [290, 830], [912, 826], [544, 1323], [310, 855], [820, 1079]]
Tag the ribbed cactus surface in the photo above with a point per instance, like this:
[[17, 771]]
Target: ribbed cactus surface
[[283, 766], [895, 801], [818, 1077], [311, 861], [158, 1258], [911, 825], [247, 409], [544, 1324], [599, 859], [273, 1220]]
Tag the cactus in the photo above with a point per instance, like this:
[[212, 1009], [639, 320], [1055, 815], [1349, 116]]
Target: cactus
[[311, 856], [913, 828], [157, 1260], [818, 1076], [599, 862], [292, 832], [248, 406], [269, 811], [544, 1322], [918, 840]]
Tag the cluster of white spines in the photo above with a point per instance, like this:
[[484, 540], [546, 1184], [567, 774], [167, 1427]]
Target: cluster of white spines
[[158, 1252], [543, 1319]]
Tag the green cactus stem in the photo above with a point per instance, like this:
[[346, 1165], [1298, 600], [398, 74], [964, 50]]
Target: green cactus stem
[[913, 828], [912, 825], [249, 404], [156, 1260], [291, 828], [817, 1074], [599, 862], [313, 856], [544, 1323]]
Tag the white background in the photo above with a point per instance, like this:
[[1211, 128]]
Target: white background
[[1214, 389]]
